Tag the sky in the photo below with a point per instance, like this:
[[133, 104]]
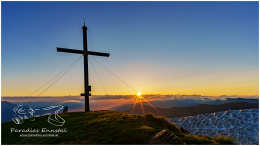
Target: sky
[[204, 48]]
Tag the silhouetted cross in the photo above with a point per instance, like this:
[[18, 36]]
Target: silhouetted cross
[[85, 53]]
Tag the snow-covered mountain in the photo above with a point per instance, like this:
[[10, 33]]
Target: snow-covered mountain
[[243, 125]]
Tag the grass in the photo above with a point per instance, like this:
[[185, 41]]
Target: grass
[[102, 127], [223, 139]]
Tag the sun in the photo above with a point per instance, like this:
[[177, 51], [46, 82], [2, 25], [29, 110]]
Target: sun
[[139, 94]]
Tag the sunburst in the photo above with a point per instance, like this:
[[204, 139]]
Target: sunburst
[[140, 97]]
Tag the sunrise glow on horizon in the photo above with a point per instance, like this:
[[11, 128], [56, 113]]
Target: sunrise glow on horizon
[[186, 48]]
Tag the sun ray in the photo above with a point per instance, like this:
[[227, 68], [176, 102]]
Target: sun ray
[[126, 101], [141, 105], [152, 106], [134, 105]]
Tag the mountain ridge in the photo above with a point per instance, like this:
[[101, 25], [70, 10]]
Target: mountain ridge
[[176, 112]]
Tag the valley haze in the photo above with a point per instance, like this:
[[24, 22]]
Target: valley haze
[[105, 102]]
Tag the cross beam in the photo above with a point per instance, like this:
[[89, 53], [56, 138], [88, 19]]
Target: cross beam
[[82, 52], [85, 53]]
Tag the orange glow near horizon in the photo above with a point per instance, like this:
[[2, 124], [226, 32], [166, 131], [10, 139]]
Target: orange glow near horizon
[[188, 88], [217, 84]]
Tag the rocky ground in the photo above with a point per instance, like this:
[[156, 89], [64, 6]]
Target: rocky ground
[[243, 125]]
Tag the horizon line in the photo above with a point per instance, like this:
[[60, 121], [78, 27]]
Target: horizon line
[[142, 95]]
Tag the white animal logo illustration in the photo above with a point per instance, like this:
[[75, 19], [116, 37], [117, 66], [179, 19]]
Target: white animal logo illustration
[[24, 112]]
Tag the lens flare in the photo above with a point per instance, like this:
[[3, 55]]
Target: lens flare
[[138, 99]]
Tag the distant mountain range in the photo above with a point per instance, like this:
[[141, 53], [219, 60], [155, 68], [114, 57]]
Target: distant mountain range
[[233, 100], [185, 103], [175, 112], [194, 102]]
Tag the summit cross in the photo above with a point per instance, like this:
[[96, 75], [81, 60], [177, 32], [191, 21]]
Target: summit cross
[[85, 53]]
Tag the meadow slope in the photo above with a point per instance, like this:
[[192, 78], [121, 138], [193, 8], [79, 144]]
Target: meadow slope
[[101, 127]]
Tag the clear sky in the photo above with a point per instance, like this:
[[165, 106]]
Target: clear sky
[[206, 48]]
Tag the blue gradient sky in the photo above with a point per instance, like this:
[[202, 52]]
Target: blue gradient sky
[[207, 48]]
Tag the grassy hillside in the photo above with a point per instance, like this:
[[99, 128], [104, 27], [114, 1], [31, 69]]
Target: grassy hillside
[[101, 127]]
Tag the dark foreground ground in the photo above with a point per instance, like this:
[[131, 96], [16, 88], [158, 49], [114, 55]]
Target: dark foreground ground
[[100, 127]]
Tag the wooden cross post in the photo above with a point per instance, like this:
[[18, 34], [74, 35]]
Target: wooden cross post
[[86, 53]]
